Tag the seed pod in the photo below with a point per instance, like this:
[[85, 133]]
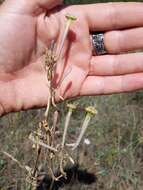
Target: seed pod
[[70, 20], [90, 111], [71, 108]]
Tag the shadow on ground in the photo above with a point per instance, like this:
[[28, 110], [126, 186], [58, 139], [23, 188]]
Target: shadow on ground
[[74, 175]]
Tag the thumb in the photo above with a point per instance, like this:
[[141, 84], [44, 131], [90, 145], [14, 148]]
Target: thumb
[[44, 4], [48, 4], [33, 7]]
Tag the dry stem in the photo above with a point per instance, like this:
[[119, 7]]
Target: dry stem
[[90, 112], [27, 168], [31, 137]]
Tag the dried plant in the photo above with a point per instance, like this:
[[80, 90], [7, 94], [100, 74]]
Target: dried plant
[[45, 135], [54, 155]]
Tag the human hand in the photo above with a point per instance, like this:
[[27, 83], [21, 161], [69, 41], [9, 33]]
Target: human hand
[[23, 80], [116, 72], [21, 71]]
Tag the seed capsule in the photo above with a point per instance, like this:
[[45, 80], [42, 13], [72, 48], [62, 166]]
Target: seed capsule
[[90, 111]]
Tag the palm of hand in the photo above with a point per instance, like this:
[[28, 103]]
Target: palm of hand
[[22, 73]]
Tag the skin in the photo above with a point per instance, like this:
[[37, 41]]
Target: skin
[[26, 30]]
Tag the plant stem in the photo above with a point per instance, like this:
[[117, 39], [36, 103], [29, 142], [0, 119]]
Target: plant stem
[[70, 19], [90, 111], [42, 144], [68, 117], [83, 130]]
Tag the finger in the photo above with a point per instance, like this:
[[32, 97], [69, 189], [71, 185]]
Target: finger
[[45, 33], [48, 4], [34, 7], [116, 64], [124, 40], [109, 16], [95, 85]]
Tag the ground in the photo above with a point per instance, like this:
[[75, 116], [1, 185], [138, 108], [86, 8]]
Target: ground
[[113, 158]]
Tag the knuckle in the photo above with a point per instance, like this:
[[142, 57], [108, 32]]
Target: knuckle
[[113, 16], [119, 40], [113, 42], [115, 63]]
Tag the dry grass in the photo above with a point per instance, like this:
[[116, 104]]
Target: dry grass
[[115, 152], [114, 155]]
